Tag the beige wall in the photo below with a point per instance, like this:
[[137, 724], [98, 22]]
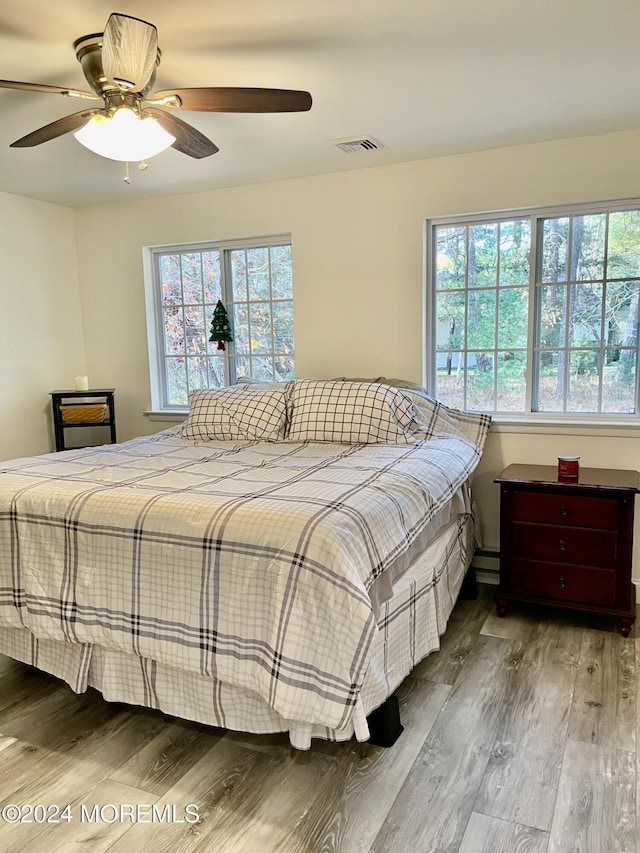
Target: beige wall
[[357, 250], [41, 340]]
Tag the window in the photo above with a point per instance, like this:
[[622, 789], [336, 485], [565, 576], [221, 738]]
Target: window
[[536, 311], [253, 280]]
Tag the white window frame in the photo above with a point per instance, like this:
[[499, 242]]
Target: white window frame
[[154, 313], [535, 214]]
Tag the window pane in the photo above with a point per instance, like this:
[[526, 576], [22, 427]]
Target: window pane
[[238, 276], [174, 331], [258, 273], [281, 280], [191, 279], [585, 309], [216, 371], [623, 253], [513, 317], [450, 378], [482, 320], [451, 257], [262, 368], [283, 327], [211, 277], [241, 329], [512, 389], [260, 319], [450, 326], [284, 366], [584, 389], [621, 313], [551, 315], [483, 255], [551, 382], [587, 247], [555, 238], [198, 372], [176, 375], [194, 322], [515, 244], [170, 279], [480, 379], [619, 381], [242, 366]]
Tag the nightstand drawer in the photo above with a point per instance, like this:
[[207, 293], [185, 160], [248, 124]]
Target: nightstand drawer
[[582, 546], [579, 584], [566, 509]]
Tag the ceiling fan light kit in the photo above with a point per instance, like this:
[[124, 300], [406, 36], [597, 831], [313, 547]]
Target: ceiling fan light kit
[[124, 136], [120, 66]]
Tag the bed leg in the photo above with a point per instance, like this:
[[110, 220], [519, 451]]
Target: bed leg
[[384, 723], [469, 588]]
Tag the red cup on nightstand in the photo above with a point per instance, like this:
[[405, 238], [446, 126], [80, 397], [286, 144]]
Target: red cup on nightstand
[[568, 467]]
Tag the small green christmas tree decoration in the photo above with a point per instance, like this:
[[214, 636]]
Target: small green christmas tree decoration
[[220, 326]]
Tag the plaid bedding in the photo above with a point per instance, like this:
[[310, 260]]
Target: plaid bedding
[[409, 628], [248, 562]]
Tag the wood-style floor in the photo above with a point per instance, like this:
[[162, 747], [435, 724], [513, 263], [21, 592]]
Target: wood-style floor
[[520, 737]]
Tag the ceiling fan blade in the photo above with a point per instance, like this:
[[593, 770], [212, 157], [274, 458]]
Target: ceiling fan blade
[[56, 128], [42, 87], [236, 100], [188, 140], [129, 51]]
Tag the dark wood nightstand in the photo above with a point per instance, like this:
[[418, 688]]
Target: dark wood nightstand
[[568, 543], [83, 399]]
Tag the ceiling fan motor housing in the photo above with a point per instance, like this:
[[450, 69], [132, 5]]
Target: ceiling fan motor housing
[[89, 54]]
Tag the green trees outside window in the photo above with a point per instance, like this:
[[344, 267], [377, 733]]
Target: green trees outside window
[[537, 312]]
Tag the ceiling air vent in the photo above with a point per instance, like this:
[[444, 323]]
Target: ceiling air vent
[[355, 144]]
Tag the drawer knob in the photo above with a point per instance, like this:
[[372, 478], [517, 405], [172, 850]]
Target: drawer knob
[[564, 510], [562, 582], [563, 545]]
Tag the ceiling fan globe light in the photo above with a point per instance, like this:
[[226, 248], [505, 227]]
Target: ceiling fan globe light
[[124, 136]]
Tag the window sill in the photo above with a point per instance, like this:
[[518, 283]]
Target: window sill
[[557, 425], [172, 416]]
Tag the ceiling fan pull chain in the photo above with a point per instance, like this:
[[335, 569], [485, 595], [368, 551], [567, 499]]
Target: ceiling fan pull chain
[[127, 179]]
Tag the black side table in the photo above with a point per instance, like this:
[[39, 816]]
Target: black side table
[[79, 399]]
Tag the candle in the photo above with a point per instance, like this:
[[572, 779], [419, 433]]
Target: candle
[[82, 383], [568, 467]]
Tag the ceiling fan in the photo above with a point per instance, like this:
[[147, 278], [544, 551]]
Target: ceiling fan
[[120, 66]]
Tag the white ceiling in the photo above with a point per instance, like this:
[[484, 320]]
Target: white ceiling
[[425, 78]]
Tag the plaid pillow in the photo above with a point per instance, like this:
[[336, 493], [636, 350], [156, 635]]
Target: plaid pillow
[[246, 412], [350, 413]]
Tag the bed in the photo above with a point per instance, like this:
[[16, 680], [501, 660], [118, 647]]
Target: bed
[[279, 562]]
